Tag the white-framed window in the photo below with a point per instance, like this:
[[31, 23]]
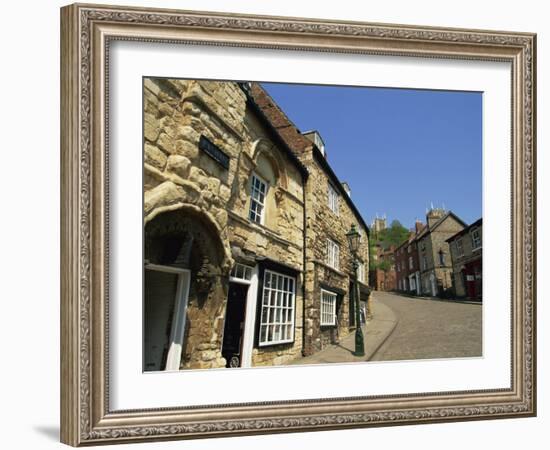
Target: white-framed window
[[441, 258], [398, 266], [328, 308], [409, 249], [410, 262], [332, 198], [459, 247], [361, 272], [277, 312], [241, 273], [258, 193], [333, 254], [476, 239], [424, 263]]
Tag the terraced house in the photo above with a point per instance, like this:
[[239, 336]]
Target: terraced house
[[434, 253], [329, 305], [467, 256], [245, 255]]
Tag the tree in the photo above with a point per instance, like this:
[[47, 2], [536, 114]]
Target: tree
[[394, 235]]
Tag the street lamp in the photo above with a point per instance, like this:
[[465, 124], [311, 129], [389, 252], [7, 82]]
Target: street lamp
[[354, 240]]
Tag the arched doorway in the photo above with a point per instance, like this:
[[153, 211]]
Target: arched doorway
[[184, 290]]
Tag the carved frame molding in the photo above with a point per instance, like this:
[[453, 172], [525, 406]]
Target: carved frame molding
[[86, 31]]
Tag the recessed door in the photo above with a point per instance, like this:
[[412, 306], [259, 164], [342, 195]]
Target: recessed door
[[160, 298], [234, 324]]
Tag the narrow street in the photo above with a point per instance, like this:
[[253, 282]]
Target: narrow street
[[430, 328]]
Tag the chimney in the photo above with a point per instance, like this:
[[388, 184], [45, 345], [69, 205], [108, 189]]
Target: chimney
[[346, 187], [316, 138], [418, 225]]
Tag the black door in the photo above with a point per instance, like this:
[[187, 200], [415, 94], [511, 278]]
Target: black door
[[234, 324]]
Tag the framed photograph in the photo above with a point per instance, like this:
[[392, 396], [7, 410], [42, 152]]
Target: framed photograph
[[279, 224]]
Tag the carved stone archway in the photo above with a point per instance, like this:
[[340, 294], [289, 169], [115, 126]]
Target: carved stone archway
[[188, 238]]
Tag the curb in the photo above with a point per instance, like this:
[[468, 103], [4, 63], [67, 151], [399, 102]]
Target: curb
[[388, 331], [437, 299]]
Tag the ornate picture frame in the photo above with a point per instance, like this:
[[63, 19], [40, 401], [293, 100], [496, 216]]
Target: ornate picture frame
[[86, 34]]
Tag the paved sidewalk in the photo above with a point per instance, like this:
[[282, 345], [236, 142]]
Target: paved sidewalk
[[376, 331]]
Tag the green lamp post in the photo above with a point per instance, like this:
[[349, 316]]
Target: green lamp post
[[354, 240]]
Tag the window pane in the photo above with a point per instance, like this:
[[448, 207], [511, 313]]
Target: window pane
[[277, 333], [263, 329]]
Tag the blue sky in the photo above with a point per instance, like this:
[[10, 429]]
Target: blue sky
[[399, 149]]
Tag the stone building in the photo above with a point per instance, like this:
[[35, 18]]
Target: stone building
[[246, 261], [329, 305], [224, 230], [433, 251], [467, 258]]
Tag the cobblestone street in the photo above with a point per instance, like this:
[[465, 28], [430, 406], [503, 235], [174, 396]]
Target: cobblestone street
[[430, 328]]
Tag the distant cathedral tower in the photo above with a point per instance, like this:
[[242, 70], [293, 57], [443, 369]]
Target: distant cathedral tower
[[379, 224]]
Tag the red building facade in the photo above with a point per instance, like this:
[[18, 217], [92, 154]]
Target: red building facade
[[467, 258], [407, 263]]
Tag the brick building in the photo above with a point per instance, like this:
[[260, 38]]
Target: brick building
[[407, 263], [467, 258], [231, 276], [383, 279]]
